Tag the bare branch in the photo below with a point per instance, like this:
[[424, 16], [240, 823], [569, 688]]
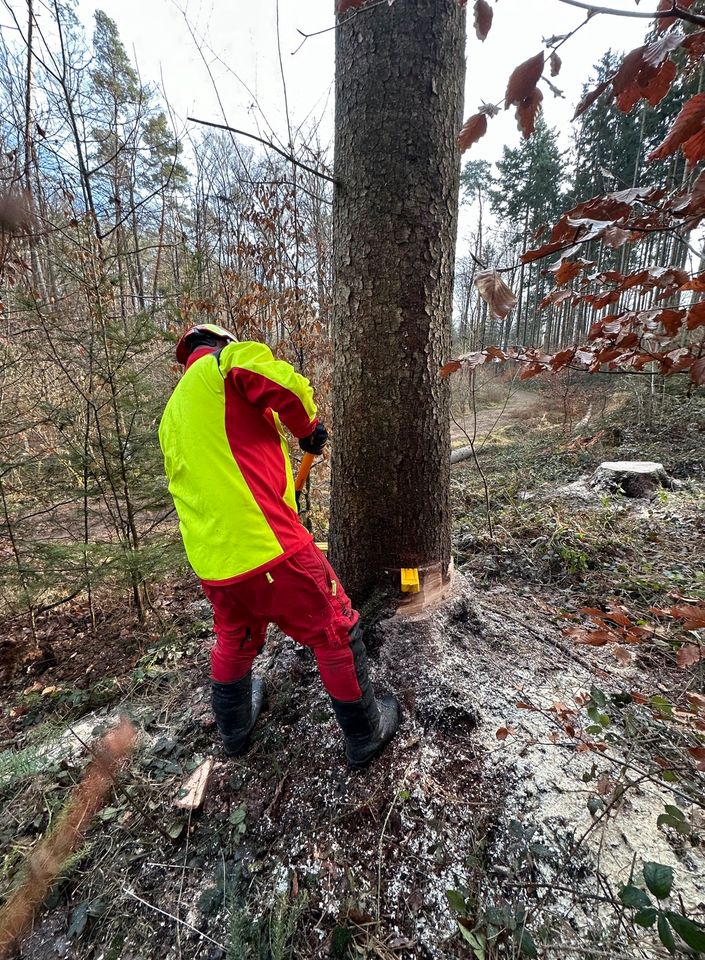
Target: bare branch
[[675, 11], [267, 143]]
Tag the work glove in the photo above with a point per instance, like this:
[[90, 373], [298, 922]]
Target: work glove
[[316, 441]]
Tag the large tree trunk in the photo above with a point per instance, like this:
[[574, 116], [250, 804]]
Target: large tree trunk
[[399, 83]]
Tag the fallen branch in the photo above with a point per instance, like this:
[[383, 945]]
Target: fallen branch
[[164, 913], [460, 454]]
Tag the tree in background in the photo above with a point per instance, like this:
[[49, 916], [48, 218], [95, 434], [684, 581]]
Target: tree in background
[[113, 251], [527, 194], [628, 312]]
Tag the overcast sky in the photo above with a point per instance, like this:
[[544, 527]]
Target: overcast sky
[[218, 60], [239, 42]]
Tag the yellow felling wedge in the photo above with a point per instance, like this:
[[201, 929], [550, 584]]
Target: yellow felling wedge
[[410, 580]]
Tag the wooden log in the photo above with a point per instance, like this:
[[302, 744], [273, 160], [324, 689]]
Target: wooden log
[[193, 790], [460, 454]]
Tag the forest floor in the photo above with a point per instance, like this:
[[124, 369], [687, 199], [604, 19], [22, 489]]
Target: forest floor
[[532, 779]]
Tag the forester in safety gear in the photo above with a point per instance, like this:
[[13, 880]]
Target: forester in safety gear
[[227, 461]]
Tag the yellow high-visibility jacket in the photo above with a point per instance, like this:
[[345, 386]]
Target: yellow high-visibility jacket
[[227, 459]]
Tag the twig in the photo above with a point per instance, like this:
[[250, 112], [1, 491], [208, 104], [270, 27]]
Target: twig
[[531, 885], [171, 916], [335, 26], [675, 11], [267, 143], [471, 442]]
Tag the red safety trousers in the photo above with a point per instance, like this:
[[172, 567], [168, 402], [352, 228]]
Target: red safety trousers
[[305, 599]]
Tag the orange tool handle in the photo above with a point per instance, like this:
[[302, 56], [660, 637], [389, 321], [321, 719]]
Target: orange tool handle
[[304, 470]]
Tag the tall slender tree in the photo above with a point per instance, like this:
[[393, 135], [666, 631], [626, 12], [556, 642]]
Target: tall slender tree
[[399, 80]]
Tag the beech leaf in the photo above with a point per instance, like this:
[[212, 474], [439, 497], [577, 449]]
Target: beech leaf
[[688, 123], [449, 368], [496, 294], [697, 372], [694, 148], [590, 98], [473, 130], [696, 315], [523, 80], [527, 111], [556, 64], [689, 655], [483, 19]]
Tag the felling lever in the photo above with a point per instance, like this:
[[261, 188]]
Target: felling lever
[[410, 580], [302, 475]]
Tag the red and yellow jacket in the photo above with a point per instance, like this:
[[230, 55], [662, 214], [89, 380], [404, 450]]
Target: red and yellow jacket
[[227, 459]]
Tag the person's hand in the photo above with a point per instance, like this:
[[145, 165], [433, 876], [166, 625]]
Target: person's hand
[[316, 441]]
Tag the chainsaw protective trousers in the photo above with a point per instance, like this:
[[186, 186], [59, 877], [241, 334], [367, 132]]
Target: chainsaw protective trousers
[[305, 599]]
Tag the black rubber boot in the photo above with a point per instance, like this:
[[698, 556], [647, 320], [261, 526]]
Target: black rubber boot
[[368, 724], [236, 707]]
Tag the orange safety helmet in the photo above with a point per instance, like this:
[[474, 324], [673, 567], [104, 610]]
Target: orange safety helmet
[[182, 351]]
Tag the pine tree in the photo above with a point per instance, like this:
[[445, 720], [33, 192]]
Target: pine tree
[[526, 195], [527, 191]]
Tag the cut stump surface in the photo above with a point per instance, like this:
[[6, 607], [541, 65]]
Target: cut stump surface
[[632, 478]]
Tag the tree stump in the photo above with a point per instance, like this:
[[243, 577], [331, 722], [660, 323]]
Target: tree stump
[[632, 478]]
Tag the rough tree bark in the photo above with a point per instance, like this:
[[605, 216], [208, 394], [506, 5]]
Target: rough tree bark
[[399, 91]]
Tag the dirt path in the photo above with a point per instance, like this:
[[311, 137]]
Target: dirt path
[[521, 403]]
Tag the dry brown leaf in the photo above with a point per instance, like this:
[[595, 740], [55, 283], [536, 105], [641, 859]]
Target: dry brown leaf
[[689, 122], [659, 86], [697, 372], [527, 111], [496, 294], [694, 148], [615, 237], [696, 315], [483, 19], [694, 44], [556, 64], [523, 80], [473, 130], [569, 270], [590, 98], [545, 251], [623, 655], [449, 368], [628, 71], [533, 370]]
